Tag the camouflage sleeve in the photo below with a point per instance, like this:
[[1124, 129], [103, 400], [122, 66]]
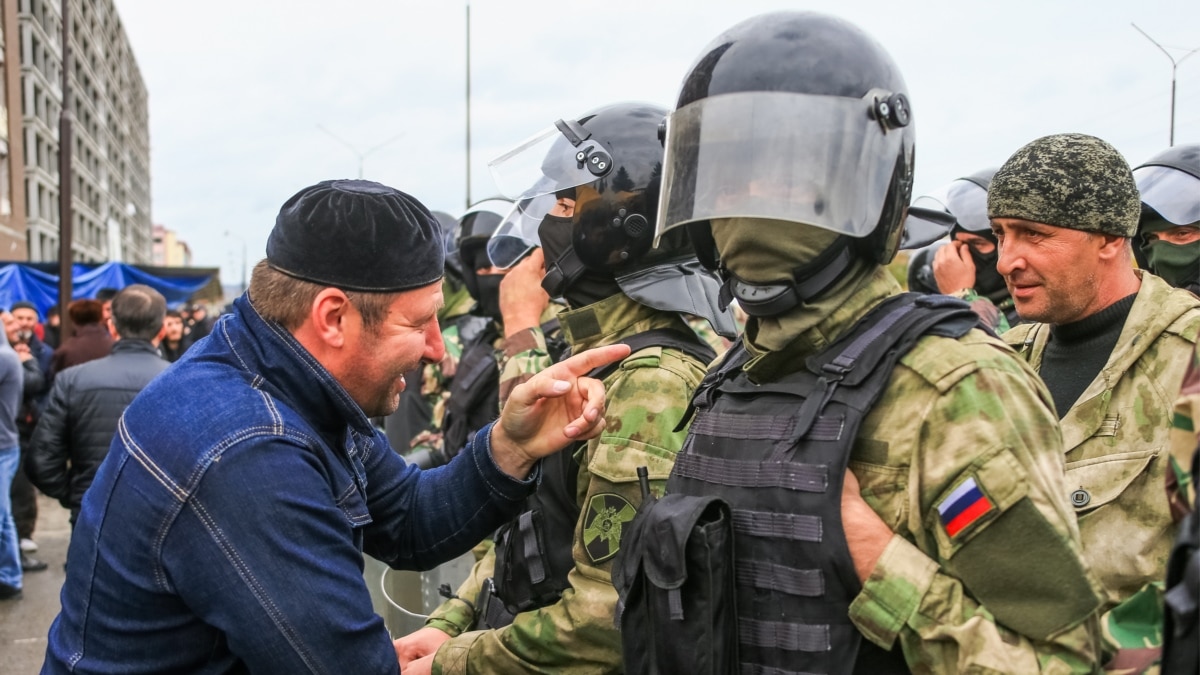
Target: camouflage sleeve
[[986, 573], [1185, 433], [524, 354], [456, 615], [989, 314], [577, 634], [435, 389]]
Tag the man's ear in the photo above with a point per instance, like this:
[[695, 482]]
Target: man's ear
[[1112, 246], [327, 317]]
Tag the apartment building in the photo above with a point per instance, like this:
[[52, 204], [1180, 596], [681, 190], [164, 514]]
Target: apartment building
[[110, 133]]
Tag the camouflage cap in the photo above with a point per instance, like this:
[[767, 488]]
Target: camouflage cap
[[1068, 180]]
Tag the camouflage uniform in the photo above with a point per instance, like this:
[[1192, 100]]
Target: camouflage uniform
[[1115, 438], [647, 396], [956, 410], [435, 376], [990, 314]]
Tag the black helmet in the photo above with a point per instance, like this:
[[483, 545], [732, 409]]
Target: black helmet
[[920, 269], [449, 225], [793, 116], [609, 161], [1169, 184], [475, 228], [961, 205]]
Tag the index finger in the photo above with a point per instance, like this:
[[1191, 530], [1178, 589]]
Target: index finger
[[587, 361]]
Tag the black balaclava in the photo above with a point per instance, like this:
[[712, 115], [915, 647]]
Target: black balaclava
[[988, 281], [588, 286], [487, 286]]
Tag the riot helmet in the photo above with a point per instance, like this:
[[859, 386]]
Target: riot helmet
[[963, 203], [476, 227], [1169, 185], [920, 269], [449, 226], [797, 117], [608, 163]]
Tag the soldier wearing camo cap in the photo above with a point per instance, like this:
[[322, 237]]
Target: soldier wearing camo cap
[[1111, 343]]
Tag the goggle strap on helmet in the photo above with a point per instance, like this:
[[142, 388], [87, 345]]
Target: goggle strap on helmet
[[809, 282], [561, 273]]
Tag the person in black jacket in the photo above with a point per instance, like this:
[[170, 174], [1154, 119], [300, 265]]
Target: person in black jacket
[[86, 401]]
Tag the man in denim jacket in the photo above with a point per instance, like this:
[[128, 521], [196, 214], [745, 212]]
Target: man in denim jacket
[[224, 531]]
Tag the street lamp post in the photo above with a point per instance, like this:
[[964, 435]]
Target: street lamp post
[[361, 155], [243, 240], [1174, 66]]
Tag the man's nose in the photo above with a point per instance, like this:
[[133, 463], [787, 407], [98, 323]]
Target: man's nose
[[435, 348]]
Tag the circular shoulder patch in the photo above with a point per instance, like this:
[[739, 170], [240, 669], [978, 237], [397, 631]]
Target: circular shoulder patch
[[606, 516]]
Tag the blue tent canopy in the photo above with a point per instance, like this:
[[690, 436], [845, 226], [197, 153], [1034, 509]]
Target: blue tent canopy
[[21, 281]]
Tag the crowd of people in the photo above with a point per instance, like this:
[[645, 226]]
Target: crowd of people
[[667, 390], [66, 398]]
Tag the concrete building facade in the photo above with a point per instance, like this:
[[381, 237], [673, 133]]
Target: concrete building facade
[[110, 134], [169, 250]]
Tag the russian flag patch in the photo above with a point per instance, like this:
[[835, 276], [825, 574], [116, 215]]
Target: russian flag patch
[[964, 506]]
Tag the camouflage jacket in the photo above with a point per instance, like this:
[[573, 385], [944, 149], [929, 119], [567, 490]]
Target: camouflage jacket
[[647, 396], [1115, 440], [1009, 593], [989, 313]]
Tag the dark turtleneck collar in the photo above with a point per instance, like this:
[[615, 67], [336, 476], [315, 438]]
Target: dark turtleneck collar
[[1077, 352]]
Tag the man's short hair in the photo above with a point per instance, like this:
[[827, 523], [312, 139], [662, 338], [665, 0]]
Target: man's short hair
[[138, 312], [286, 300], [106, 294], [175, 314]]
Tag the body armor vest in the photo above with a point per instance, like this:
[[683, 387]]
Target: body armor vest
[[474, 391], [534, 551], [777, 453]]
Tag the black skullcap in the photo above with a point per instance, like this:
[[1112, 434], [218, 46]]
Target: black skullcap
[[24, 304], [357, 235]]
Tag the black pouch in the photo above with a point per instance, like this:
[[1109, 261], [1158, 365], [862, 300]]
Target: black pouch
[[1181, 630], [674, 574]]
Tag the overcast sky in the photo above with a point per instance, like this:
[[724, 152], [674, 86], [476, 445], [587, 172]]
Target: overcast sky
[[252, 100]]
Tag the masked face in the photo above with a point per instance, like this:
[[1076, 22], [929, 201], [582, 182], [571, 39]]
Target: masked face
[[1173, 252], [984, 254], [555, 235]]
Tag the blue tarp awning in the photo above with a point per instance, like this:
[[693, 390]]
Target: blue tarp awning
[[21, 281]]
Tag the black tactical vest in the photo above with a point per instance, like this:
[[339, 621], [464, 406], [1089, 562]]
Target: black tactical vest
[[777, 453], [534, 551], [474, 392]]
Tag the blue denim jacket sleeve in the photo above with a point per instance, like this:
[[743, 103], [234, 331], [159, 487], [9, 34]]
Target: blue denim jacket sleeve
[[423, 518], [269, 554]]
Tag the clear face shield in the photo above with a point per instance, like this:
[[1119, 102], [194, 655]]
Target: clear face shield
[[1174, 194], [821, 160], [563, 156], [517, 234], [961, 202]]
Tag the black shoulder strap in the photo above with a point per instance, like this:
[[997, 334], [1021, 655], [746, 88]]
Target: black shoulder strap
[[670, 338], [876, 343]]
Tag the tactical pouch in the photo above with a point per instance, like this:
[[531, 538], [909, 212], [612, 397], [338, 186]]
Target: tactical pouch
[[1181, 630], [674, 574]]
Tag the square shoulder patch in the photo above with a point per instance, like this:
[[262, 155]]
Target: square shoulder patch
[[966, 505]]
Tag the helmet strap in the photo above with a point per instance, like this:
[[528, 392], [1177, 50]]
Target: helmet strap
[[562, 273], [808, 282]]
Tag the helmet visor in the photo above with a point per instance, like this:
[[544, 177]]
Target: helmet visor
[[517, 234], [561, 157], [926, 222], [967, 202], [819, 160], [1174, 194]]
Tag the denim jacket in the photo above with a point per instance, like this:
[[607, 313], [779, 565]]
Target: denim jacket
[[224, 532]]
